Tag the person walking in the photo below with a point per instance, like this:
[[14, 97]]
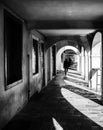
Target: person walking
[[66, 66]]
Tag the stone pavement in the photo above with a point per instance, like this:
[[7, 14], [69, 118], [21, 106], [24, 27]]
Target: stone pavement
[[51, 110]]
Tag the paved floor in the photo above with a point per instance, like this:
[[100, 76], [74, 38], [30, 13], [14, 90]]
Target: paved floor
[[56, 107]]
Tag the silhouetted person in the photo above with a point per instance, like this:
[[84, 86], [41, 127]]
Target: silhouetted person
[[66, 66]]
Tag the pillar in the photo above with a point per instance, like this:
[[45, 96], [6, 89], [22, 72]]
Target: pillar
[[86, 66], [82, 62], [79, 63], [102, 69]]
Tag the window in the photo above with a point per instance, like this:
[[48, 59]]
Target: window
[[35, 57], [13, 49]]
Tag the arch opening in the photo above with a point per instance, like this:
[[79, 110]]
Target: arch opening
[[66, 52]]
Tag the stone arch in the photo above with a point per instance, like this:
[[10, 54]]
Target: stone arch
[[63, 43], [73, 41], [59, 65]]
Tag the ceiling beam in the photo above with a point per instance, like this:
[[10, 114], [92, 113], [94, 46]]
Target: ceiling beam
[[61, 24]]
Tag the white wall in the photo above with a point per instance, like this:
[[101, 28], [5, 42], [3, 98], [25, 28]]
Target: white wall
[[96, 62]]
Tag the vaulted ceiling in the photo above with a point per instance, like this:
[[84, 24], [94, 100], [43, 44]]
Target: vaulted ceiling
[[59, 15]]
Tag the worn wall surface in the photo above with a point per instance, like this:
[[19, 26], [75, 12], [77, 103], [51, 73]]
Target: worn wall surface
[[13, 99]]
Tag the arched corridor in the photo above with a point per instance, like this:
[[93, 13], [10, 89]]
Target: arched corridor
[[36, 37]]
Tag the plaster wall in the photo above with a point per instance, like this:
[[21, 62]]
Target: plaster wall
[[13, 99]]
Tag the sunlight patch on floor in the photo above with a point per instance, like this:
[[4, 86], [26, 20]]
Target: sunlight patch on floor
[[73, 71], [75, 77], [56, 125], [87, 107], [79, 86]]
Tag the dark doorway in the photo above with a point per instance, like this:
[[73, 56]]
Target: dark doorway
[[54, 60]]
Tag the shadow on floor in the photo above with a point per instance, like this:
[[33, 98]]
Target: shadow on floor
[[38, 114], [85, 84], [77, 76]]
